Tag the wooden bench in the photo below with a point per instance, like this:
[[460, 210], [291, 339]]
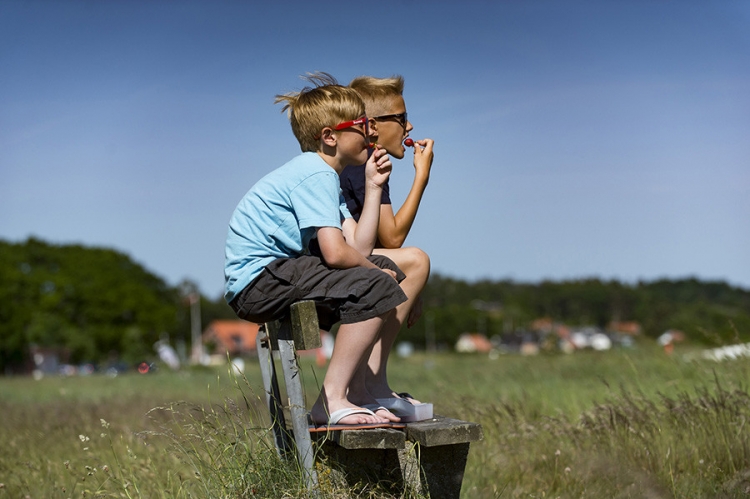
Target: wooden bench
[[428, 456]]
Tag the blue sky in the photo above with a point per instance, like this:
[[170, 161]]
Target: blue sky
[[573, 139]]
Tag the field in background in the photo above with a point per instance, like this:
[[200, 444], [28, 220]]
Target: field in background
[[626, 423]]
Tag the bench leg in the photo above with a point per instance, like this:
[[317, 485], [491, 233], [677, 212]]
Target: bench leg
[[358, 467], [282, 438], [298, 411], [443, 469]]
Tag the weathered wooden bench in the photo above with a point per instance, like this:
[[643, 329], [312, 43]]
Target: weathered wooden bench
[[428, 456]]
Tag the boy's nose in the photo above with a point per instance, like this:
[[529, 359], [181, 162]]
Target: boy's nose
[[409, 126]]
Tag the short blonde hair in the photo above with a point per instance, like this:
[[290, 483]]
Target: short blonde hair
[[377, 92], [325, 104]]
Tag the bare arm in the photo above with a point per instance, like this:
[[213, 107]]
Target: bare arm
[[363, 234], [337, 253], [393, 229]]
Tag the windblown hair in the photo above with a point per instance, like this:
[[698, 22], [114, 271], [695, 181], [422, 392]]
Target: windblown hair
[[377, 92], [324, 104]]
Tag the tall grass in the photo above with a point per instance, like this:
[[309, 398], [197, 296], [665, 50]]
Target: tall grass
[[618, 424]]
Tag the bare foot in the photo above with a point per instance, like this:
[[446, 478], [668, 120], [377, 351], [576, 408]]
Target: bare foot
[[385, 413], [370, 402], [406, 397], [385, 392], [344, 413]]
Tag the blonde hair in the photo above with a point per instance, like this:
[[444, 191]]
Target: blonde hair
[[313, 108], [377, 92]]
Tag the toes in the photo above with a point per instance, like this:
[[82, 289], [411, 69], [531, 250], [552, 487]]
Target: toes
[[387, 415]]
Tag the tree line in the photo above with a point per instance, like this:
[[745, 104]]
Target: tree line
[[707, 312], [97, 304]]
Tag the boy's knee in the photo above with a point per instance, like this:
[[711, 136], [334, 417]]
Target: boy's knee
[[423, 258], [416, 260]]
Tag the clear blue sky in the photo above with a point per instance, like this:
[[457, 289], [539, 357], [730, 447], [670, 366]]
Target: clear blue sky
[[572, 138]]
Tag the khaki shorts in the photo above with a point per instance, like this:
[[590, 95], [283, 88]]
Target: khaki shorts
[[341, 295]]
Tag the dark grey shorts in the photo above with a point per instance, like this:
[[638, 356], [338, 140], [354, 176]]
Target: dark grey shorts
[[345, 295]]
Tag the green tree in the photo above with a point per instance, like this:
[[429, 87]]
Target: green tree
[[89, 301]]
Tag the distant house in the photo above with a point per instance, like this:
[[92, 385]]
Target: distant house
[[630, 328], [233, 337], [542, 325], [551, 333], [473, 342], [523, 342]]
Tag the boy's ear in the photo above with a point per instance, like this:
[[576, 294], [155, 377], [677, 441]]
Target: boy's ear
[[328, 137]]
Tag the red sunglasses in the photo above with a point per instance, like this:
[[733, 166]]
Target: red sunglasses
[[348, 124]]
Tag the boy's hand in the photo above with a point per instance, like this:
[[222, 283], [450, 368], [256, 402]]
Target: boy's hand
[[378, 167], [423, 156]]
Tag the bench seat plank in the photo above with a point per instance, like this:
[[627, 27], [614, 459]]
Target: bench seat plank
[[443, 431], [376, 438]]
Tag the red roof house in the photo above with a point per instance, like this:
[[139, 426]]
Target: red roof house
[[235, 338], [473, 342], [631, 328]]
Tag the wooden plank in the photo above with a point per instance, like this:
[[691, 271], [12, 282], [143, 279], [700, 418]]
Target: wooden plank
[[305, 328], [282, 438], [273, 328], [443, 431], [375, 438], [301, 325], [297, 410]]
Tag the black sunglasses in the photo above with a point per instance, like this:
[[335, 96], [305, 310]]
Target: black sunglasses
[[401, 118]]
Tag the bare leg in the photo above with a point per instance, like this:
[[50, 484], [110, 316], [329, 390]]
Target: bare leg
[[416, 265], [353, 341], [358, 392]]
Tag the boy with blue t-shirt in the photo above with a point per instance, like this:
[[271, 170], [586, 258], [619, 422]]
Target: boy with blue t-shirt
[[268, 265]]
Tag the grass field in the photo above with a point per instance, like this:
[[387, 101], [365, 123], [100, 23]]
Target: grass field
[[625, 424]]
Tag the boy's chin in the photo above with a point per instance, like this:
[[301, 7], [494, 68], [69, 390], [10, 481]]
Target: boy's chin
[[398, 153]]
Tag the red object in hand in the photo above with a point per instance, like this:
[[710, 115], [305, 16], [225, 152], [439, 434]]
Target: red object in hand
[[408, 142]]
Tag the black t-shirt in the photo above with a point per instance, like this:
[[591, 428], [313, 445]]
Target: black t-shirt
[[353, 187]]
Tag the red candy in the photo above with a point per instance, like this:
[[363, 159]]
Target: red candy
[[408, 142]]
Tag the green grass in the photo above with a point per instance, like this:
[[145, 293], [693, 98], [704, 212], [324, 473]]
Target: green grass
[[627, 423]]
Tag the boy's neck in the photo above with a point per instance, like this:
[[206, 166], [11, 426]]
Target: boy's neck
[[332, 160]]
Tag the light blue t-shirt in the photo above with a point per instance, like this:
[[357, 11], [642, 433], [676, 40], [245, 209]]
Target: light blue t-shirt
[[278, 217]]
